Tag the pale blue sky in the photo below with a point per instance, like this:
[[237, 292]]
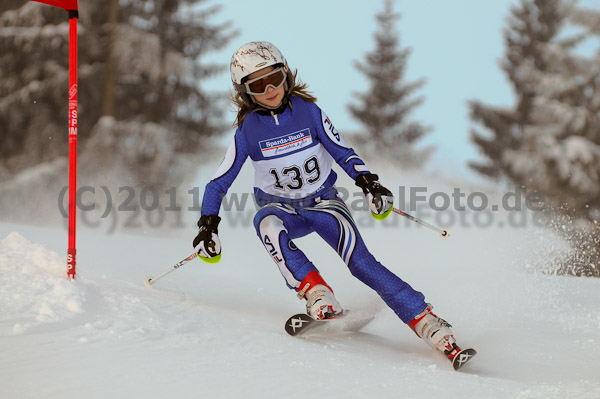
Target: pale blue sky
[[455, 45]]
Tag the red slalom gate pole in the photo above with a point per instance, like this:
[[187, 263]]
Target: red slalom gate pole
[[71, 7], [72, 251]]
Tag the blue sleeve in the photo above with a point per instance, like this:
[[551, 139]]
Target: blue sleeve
[[335, 145], [225, 175]]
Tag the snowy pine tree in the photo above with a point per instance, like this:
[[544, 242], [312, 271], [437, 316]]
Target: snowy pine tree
[[384, 109], [33, 84], [531, 26], [139, 63], [550, 141], [156, 53]]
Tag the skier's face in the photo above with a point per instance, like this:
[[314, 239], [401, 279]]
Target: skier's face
[[273, 97]]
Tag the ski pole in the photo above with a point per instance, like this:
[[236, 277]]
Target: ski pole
[[149, 281], [444, 233]]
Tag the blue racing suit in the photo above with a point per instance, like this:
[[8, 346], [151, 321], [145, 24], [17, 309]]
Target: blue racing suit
[[292, 154]]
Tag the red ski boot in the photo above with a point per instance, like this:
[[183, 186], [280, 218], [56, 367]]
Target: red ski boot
[[320, 301], [437, 333]]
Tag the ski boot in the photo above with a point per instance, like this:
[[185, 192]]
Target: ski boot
[[320, 301], [437, 333]]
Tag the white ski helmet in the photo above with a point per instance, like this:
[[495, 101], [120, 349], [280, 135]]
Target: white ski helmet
[[252, 57]]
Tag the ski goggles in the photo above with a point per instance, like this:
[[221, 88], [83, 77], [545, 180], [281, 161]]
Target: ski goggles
[[259, 86]]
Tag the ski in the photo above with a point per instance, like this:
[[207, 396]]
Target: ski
[[300, 323], [462, 357]]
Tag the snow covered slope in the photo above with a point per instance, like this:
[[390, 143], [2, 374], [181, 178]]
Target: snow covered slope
[[217, 330]]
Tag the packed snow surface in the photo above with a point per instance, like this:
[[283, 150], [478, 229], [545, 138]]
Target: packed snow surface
[[216, 331]]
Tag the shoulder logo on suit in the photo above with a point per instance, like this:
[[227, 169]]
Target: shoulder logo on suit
[[331, 131]]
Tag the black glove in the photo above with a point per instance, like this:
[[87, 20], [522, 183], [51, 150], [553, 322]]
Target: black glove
[[207, 244], [381, 200]]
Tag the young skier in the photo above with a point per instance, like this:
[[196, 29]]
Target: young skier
[[292, 145]]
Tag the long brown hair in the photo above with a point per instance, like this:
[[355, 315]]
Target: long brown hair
[[297, 88]]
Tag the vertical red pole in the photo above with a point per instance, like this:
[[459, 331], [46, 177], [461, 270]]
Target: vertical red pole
[[71, 251]]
